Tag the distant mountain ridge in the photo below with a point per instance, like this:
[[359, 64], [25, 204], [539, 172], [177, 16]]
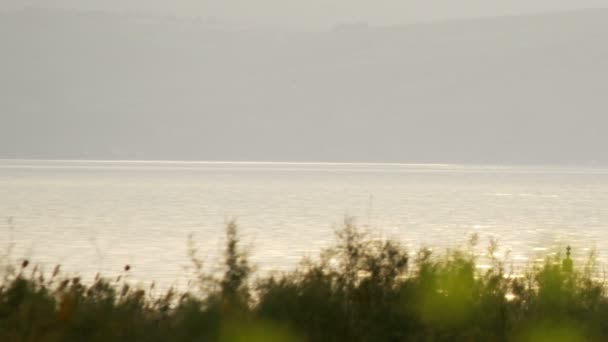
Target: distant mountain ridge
[[527, 89]]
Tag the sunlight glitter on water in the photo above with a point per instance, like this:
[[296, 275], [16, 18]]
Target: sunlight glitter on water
[[98, 216]]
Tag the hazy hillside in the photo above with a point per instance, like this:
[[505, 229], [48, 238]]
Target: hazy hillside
[[504, 90]]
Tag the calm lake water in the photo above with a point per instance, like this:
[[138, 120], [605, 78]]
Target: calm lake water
[[98, 216]]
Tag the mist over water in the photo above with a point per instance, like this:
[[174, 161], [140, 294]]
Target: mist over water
[[99, 216], [511, 90]]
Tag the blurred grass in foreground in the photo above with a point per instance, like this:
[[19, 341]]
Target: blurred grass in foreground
[[360, 289]]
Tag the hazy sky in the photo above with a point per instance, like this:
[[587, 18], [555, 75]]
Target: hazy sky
[[507, 90], [316, 13]]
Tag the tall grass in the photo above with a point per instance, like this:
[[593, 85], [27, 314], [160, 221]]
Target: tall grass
[[360, 289]]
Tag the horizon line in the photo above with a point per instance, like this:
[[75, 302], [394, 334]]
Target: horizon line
[[243, 162], [266, 162]]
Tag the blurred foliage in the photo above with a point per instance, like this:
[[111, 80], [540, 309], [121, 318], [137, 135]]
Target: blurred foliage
[[360, 289]]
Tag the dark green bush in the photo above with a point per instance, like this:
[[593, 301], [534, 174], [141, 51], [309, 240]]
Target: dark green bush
[[360, 289]]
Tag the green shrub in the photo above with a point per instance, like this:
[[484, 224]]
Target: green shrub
[[360, 289]]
